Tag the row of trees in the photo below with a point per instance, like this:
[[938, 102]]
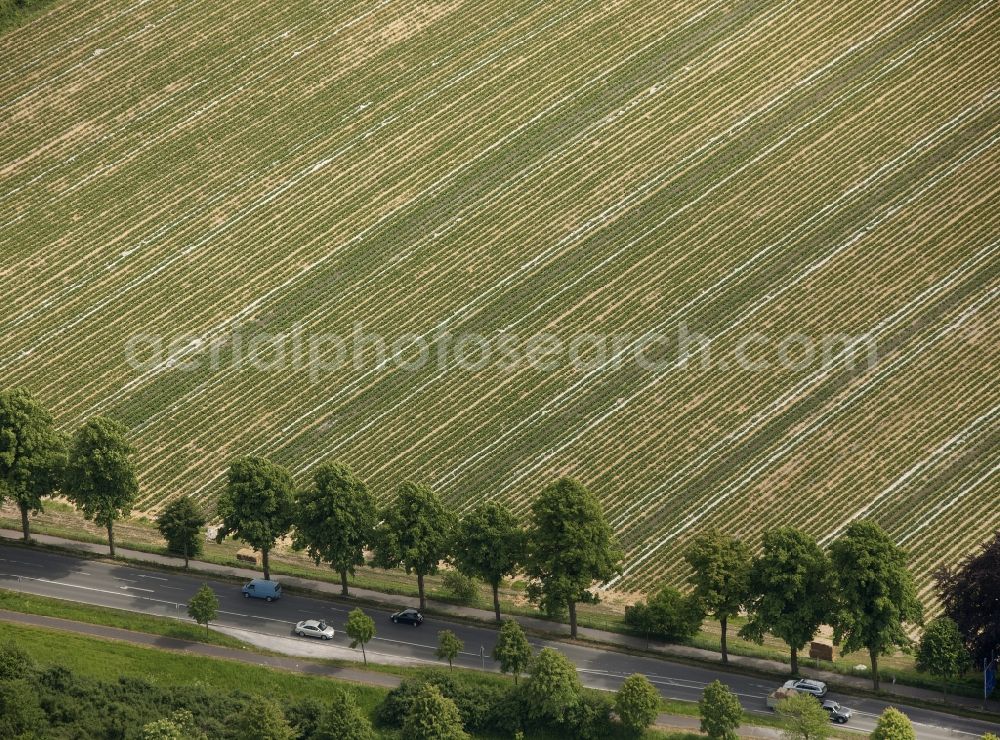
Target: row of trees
[[860, 584], [790, 589], [93, 468], [565, 549]]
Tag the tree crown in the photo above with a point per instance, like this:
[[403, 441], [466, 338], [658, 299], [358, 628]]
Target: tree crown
[[335, 518], [100, 475], [571, 544], [257, 504], [416, 530], [875, 592], [721, 577], [791, 588], [489, 543]]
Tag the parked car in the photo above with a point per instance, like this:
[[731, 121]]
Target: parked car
[[314, 628], [807, 686], [838, 714], [258, 588], [408, 616]]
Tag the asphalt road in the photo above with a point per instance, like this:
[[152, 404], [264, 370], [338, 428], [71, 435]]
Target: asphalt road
[[166, 594]]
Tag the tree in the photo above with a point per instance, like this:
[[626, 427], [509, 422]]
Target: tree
[[181, 524], [361, 629], [490, 546], [342, 719], [667, 614], [512, 650], [570, 547], [970, 595], [721, 577], [553, 687], [803, 718], [893, 725], [449, 646], [335, 519], [265, 722], [637, 703], [721, 713], [875, 595], [32, 454], [256, 506], [204, 605], [941, 651], [433, 716], [100, 475], [415, 533], [791, 588]]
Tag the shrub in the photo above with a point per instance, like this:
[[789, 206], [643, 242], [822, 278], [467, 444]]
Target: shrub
[[433, 716], [483, 705], [304, 716], [803, 718], [178, 726], [589, 717], [667, 615], [721, 713], [265, 721], [343, 720], [14, 662], [552, 688], [637, 703], [20, 712], [460, 586], [893, 725]]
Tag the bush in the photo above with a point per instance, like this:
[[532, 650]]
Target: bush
[[483, 705], [460, 586], [667, 615]]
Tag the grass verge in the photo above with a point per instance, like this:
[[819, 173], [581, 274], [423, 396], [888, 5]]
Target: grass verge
[[135, 621]]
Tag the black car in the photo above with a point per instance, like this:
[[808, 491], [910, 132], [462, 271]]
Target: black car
[[408, 616], [838, 713]]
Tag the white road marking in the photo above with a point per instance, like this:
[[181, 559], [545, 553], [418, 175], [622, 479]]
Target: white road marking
[[136, 588]]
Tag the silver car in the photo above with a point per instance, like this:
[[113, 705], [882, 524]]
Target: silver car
[[807, 686], [314, 628]]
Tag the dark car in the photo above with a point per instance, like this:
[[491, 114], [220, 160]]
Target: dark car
[[838, 713], [408, 616]]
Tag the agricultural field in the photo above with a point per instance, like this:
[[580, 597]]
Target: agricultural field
[[269, 193]]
